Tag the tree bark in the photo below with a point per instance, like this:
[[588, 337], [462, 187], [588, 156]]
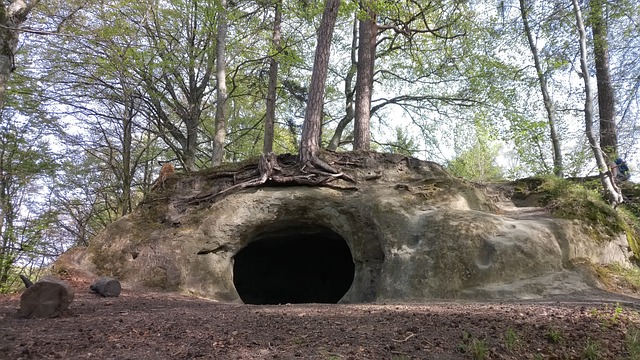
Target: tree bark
[[107, 287], [310, 142], [348, 93], [364, 81], [221, 92], [606, 96], [12, 16], [25, 280], [47, 298], [548, 102], [270, 119], [127, 146], [614, 195]]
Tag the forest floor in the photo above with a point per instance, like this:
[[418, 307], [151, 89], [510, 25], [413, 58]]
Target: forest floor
[[144, 325]]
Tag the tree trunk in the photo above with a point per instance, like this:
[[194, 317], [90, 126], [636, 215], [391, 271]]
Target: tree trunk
[[310, 142], [127, 145], [25, 280], [12, 15], [364, 81], [614, 195], [548, 102], [606, 100], [270, 119], [221, 92], [190, 151], [107, 287], [47, 298], [348, 93]]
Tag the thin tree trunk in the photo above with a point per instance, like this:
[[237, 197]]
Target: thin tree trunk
[[364, 81], [310, 142], [221, 92], [606, 99], [127, 138], [548, 102], [270, 119], [614, 195], [348, 92]]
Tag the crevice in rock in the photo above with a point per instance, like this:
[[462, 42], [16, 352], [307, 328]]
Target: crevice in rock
[[299, 263]]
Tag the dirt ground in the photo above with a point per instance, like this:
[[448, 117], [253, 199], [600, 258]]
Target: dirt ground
[[145, 325]]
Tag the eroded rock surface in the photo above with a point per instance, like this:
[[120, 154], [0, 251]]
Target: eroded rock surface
[[403, 230]]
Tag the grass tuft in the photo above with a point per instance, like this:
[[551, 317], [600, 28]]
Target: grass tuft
[[511, 339], [591, 350], [632, 343], [554, 336]]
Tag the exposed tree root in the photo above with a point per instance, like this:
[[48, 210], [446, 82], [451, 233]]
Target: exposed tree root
[[315, 172]]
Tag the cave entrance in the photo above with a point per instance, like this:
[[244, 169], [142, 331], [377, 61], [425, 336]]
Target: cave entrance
[[297, 264]]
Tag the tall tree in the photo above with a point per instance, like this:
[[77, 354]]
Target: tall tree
[[310, 142], [548, 102], [12, 15], [606, 94], [270, 118], [94, 81], [176, 68], [614, 195], [26, 161], [221, 91], [364, 80]]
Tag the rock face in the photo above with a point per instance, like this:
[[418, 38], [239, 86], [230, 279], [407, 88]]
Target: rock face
[[402, 230]]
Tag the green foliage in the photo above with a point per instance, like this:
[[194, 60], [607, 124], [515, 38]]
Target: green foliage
[[591, 350], [477, 151], [27, 165], [529, 138], [403, 144], [632, 342], [511, 339], [554, 336], [607, 316], [476, 348], [14, 284], [616, 276], [477, 163], [571, 200], [582, 201]]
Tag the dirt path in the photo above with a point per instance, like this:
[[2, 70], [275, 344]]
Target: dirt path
[[140, 325]]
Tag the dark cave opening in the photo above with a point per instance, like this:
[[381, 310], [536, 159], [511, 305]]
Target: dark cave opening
[[296, 264]]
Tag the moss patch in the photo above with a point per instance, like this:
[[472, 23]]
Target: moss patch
[[583, 201], [619, 279]]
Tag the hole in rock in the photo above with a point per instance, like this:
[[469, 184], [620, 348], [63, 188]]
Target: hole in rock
[[296, 264]]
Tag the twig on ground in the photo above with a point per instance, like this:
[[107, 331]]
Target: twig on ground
[[405, 339]]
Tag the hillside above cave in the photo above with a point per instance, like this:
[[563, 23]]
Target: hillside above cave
[[385, 227]]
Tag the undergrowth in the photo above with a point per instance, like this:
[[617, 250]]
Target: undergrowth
[[583, 201], [615, 275]]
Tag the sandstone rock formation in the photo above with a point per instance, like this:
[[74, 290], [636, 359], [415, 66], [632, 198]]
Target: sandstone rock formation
[[392, 229]]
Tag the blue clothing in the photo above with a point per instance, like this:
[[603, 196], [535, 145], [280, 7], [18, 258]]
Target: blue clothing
[[622, 166]]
